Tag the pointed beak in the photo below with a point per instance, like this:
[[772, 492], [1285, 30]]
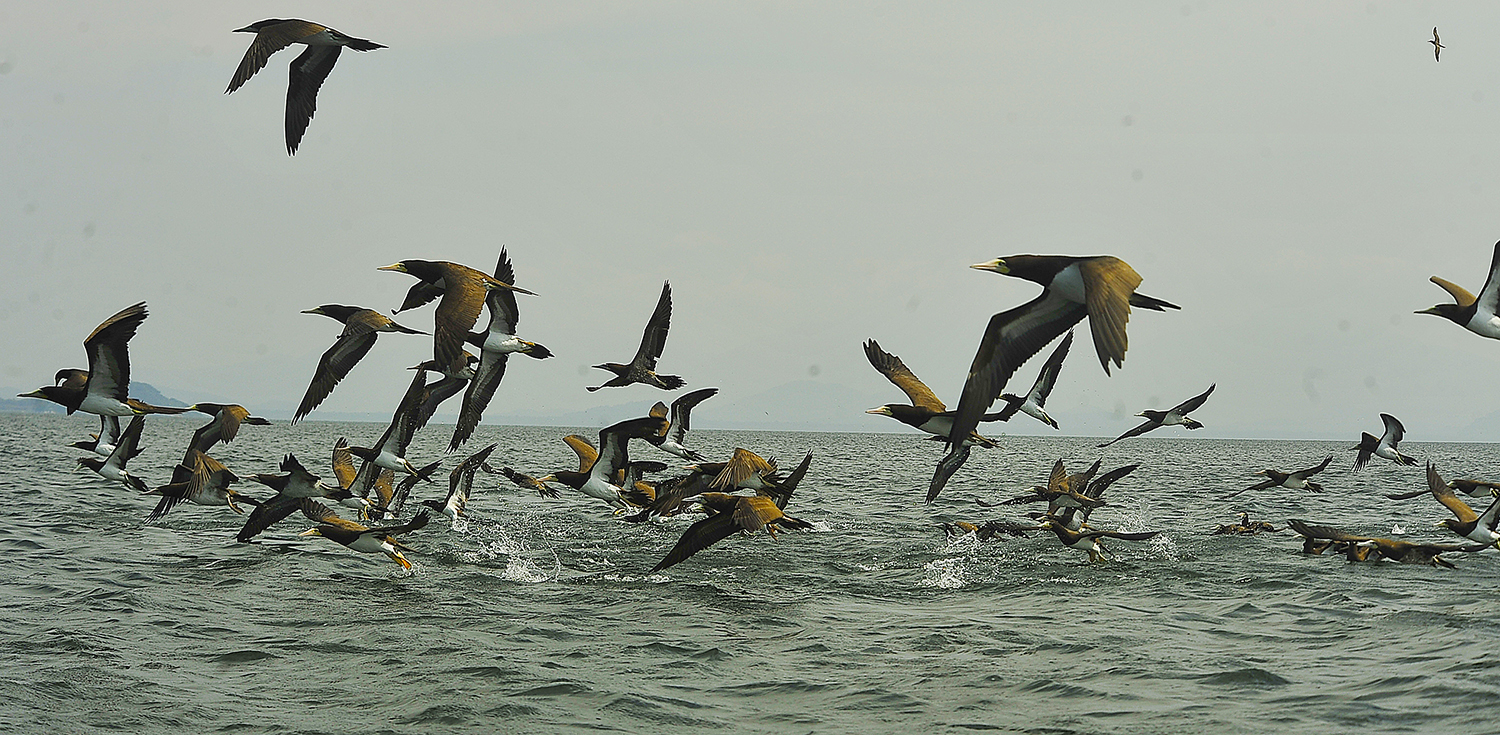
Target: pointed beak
[[311, 532], [397, 267], [882, 411], [994, 266], [34, 394], [1429, 310]]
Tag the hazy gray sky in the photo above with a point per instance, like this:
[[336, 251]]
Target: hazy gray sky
[[807, 175]]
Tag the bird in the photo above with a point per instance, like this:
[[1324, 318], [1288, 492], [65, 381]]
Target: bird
[[672, 437], [1437, 46], [361, 327], [1099, 287], [1476, 314], [1294, 480], [345, 473], [1062, 490], [523, 480], [1475, 487], [225, 426], [1474, 526], [205, 482], [1245, 527], [113, 466], [1177, 415], [1088, 539], [103, 443], [1384, 447], [464, 291], [987, 530], [308, 70], [460, 482], [296, 489], [389, 451], [926, 412], [102, 391], [453, 381], [1367, 548], [642, 368], [745, 470], [358, 537], [731, 513], [599, 480], [495, 346], [1033, 402]]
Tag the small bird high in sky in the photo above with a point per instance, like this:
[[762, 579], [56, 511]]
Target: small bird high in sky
[[1437, 45], [308, 70]]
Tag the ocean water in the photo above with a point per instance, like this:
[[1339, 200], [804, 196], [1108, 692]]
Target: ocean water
[[540, 616]]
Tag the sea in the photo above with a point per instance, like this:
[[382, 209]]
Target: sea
[[541, 615]]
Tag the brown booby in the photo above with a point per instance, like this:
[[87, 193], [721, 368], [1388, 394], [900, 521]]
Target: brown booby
[[225, 425], [296, 489], [495, 345], [308, 70], [204, 482], [1384, 447], [926, 412], [1099, 287], [1087, 539], [101, 390], [113, 466], [361, 327], [1176, 416], [460, 483], [389, 452], [1033, 403], [464, 291], [1474, 526], [1476, 314], [987, 530], [731, 513], [524, 481], [1245, 527], [1368, 548], [1293, 480], [600, 480], [642, 368], [359, 537], [675, 433], [1437, 46]]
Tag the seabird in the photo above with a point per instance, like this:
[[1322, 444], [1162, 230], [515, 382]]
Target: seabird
[[599, 480], [345, 473], [672, 437], [1033, 402], [205, 482], [102, 391], [296, 489], [1088, 540], [1099, 287], [1437, 45], [361, 327], [307, 71], [359, 537], [642, 369], [1294, 480], [1384, 447], [523, 481], [1177, 416], [987, 530], [460, 482], [113, 466], [225, 425], [1475, 487], [451, 383], [390, 451], [1245, 527], [1476, 314], [731, 513], [1474, 526], [464, 292], [103, 443], [495, 347], [745, 470], [927, 412], [1062, 490], [1367, 548]]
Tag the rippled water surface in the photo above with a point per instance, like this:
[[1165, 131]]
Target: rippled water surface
[[541, 616]]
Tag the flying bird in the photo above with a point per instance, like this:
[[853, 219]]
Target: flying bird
[[225, 425], [1033, 403], [204, 482], [1088, 539], [1437, 45], [1101, 288], [389, 453], [1294, 480], [460, 483], [296, 489], [1368, 548], [358, 537], [101, 390], [1176, 416], [1384, 447], [1474, 526], [642, 368], [361, 327], [675, 433], [926, 412], [113, 466], [1476, 314], [599, 480], [307, 70], [464, 291], [731, 513], [495, 346]]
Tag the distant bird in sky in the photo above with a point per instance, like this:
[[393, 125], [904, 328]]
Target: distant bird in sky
[[1294, 480], [1478, 315], [1384, 447], [307, 70], [642, 368], [1176, 416], [1437, 45], [361, 327], [1032, 404], [1101, 288]]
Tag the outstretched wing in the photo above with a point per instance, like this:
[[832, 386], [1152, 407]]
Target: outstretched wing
[[896, 371]]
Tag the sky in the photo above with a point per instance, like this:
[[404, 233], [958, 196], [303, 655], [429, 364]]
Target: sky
[[806, 175]]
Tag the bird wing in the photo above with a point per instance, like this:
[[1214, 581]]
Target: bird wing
[[461, 479], [319, 513], [306, 73], [109, 360], [741, 467], [109, 430], [697, 537], [1058, 476], [1045, 380], [464, 295], [1099, 484], [1108, 283], [1192, 404], [343, 463], [896, 371], [1367, 445], [334, 366], [1459, 293], [502, 301], [404, 421], [1309, 472], [1439, 490], [614, 442], [125, 447], [1148, 425], [1489, 294], [654, 340], [682, 407], [479, 393], [1256, 486], [1324, 532], [1491, 515], [1123, 535], [268, 514], [782, 493], [753, 513], [1394, 431], [268, 41], [587, 454]]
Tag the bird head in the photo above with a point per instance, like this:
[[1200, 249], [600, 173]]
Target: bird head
[[882, 411], [997, 265], [397, 267], [259, 25], [311, 532]]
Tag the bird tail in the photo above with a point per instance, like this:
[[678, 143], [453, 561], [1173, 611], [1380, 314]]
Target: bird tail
[[1142, 301], [1191, 424], [1406, 460], [425, 473], [1315, 487], [673, 382], [360, 44], [540, 352]]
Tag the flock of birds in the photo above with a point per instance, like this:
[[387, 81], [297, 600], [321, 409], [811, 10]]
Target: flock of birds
[[745, 492]]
